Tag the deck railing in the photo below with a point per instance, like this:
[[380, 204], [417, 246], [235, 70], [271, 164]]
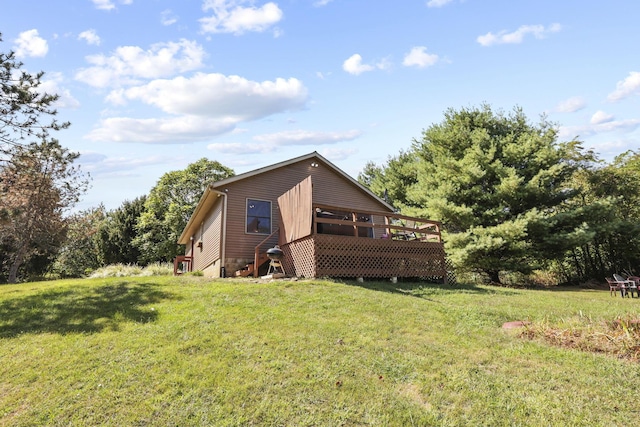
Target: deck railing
[[366, 223], [386, 244]]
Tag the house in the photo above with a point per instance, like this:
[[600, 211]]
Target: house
[[325, 222]]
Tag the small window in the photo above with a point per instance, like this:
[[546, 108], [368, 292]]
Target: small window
[[258, 216]]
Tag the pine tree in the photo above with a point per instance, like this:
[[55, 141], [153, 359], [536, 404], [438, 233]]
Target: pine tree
[[494, 180]]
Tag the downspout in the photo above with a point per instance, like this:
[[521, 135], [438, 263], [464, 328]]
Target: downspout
[[223, 237], [193, 255]]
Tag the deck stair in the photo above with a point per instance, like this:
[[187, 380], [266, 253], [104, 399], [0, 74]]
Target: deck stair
[[248, 269]]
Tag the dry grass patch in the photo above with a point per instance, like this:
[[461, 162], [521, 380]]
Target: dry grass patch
[[414, 394], [619, 337]]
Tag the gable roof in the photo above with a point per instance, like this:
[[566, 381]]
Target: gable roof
[[285, 163], [213, 190]]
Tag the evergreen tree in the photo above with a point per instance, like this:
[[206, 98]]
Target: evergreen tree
[[38, 181], [497, 182], [23, 107], [391, 181]]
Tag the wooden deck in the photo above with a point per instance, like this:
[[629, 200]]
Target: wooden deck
[[367, 244]]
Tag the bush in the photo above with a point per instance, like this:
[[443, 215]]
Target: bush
[[123, 270], [158, 269], [117, 270]]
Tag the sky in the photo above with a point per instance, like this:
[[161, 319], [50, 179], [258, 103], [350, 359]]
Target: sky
[[150, 86]]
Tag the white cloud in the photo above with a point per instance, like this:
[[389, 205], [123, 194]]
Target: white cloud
[[29, 43], [167, 17], [438, 3], [52, 84], [217, 95], [108, 4], [627, 87], [231, 16], [320, 3], [90, 36], [123, 166], [267, 143], [303, 137], [129, 64], [418, 57], [353, 65], [103, 4], [600, 117], [335, 154], [200, 107], [168, 130], [621, 126], [571, 105], [503, 37], [613, 147]]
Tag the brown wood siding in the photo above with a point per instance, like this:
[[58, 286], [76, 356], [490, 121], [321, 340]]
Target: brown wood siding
[[211, 238], [328, 187]]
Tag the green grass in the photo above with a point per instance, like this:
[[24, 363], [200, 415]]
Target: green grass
[[188, 351]]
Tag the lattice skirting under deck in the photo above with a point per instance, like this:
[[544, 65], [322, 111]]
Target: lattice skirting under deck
[[345, 256]]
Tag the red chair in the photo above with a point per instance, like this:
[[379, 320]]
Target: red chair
[[614, 287]]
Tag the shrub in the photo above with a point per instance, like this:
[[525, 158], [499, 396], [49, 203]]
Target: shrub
[[117, 270], [158, 269], [123, 270]]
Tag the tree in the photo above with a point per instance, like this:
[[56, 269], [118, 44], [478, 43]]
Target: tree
[[37, 179], [169, 206], [118, 231], [23, 107], [612, 194], [80, 253], [37, 187], [391, 181], [494, 180]]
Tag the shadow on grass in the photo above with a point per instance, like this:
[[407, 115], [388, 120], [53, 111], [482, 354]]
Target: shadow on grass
[[424, 289], [80, 309]]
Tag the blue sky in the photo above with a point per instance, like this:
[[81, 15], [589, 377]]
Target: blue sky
[[153, 85]]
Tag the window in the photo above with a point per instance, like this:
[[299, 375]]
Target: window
[[258, 216]]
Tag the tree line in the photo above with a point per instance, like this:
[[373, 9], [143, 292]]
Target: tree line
[[140, 231]]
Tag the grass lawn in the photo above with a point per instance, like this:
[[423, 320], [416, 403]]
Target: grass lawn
[[188, 351]]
